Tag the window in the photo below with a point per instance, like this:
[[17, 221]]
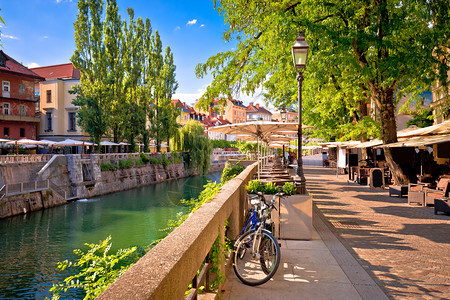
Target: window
[[6, 131], [49, 96], [6, 89], [21, 89], [48, 117], [6, 109], [22, 132], [72, 121], [22, 110]]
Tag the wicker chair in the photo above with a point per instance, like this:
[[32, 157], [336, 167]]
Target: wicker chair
[[442, 190], [416, 193]]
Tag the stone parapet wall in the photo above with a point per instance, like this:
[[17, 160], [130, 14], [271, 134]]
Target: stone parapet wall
[[124, 179], [167, 269]]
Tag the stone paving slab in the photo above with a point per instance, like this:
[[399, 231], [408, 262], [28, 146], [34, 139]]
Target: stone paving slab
[[405, 249]]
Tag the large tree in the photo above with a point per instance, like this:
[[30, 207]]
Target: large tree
[[163, 114], [360, 50], [90, 58]]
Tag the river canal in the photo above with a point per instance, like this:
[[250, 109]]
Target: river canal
[[31, 245]]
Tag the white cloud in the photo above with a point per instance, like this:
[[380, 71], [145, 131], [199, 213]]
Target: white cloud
[[45, 37], [33, 65], [177, 28], [6, 36], [203, 25], [192, 22]]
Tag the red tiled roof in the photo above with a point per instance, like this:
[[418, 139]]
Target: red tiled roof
[[64, 71], [12, 66], [253, 108]]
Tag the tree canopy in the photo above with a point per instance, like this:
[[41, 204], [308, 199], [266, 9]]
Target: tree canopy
[[361, 52], [124, 76]]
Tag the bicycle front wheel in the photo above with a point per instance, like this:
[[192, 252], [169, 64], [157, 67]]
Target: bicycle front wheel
[[256, 265]]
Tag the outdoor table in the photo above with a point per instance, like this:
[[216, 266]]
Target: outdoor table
[[442, 204], [398, 190]]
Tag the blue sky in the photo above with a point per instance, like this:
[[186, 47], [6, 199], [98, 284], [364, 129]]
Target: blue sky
[[40, 33]]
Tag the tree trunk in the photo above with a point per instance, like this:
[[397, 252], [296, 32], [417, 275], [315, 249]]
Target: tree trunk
[[362, 114], [385, 101]]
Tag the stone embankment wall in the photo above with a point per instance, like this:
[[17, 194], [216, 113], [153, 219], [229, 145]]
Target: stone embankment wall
[[72, 177], [24, 203]]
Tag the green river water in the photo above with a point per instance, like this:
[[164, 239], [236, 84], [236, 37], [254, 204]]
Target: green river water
[[31, 245]]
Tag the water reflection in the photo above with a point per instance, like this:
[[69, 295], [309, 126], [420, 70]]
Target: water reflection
[[31, 245]]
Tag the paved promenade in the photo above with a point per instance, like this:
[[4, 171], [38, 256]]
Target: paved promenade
[[366, 245], [405, 249]]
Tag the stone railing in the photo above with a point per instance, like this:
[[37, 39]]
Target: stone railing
[[24, 187], [24, 158], [166, 271]]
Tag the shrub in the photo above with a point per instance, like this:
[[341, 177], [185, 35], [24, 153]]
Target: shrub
[[254, 187], [230, 171], [107, 166], [165, 161], [271, 188], [154, 160], [144, 158], [289, 188], [139, 162], [126, 163]]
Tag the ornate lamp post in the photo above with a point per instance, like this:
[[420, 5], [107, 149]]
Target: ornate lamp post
[[300, 55], [283, 114]]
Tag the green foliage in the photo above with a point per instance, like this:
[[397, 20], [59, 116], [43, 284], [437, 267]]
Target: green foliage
[[245, 147], [98, 268], [126, 163], [108, 166], [165, 161], [422, 118], [254, 186], [222, 144], [123, 72], [197, 145], [360, 52], [270, 188], [231, 170], [176, 157], [289, 188], [139, 162], [144, 158], [154, 160]]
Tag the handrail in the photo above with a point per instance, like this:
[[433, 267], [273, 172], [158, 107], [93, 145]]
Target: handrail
[[167, 269], [2, 192]]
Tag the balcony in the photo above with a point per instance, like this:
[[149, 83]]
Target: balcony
[[19, 118]]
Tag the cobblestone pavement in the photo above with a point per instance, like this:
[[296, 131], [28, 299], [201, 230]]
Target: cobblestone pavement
[[405, 249]]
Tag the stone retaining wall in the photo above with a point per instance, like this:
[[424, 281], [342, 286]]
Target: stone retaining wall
[[78, 178], [29, 202]]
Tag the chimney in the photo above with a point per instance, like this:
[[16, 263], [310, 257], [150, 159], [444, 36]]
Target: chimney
[[210, 111], [257, 105], [251, 103]]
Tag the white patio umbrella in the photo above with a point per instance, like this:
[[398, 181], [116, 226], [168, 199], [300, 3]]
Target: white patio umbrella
[[108, 143], [25, 142], [4, 141]]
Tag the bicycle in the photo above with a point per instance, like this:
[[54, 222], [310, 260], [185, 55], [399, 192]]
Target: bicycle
[[256, 255]]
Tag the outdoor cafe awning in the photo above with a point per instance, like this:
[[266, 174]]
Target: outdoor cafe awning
[[419, 141], [371, 143], [259, 129], [442, 128]]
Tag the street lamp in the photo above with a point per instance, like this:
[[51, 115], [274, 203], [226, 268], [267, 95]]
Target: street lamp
[[300, 55], [283, 114]]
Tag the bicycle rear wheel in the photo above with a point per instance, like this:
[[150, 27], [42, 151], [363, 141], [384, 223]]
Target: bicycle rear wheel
[[256, 267]]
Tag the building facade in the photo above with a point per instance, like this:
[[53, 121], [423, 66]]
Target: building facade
[[18, 117], [255, 112], [58, 113]]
